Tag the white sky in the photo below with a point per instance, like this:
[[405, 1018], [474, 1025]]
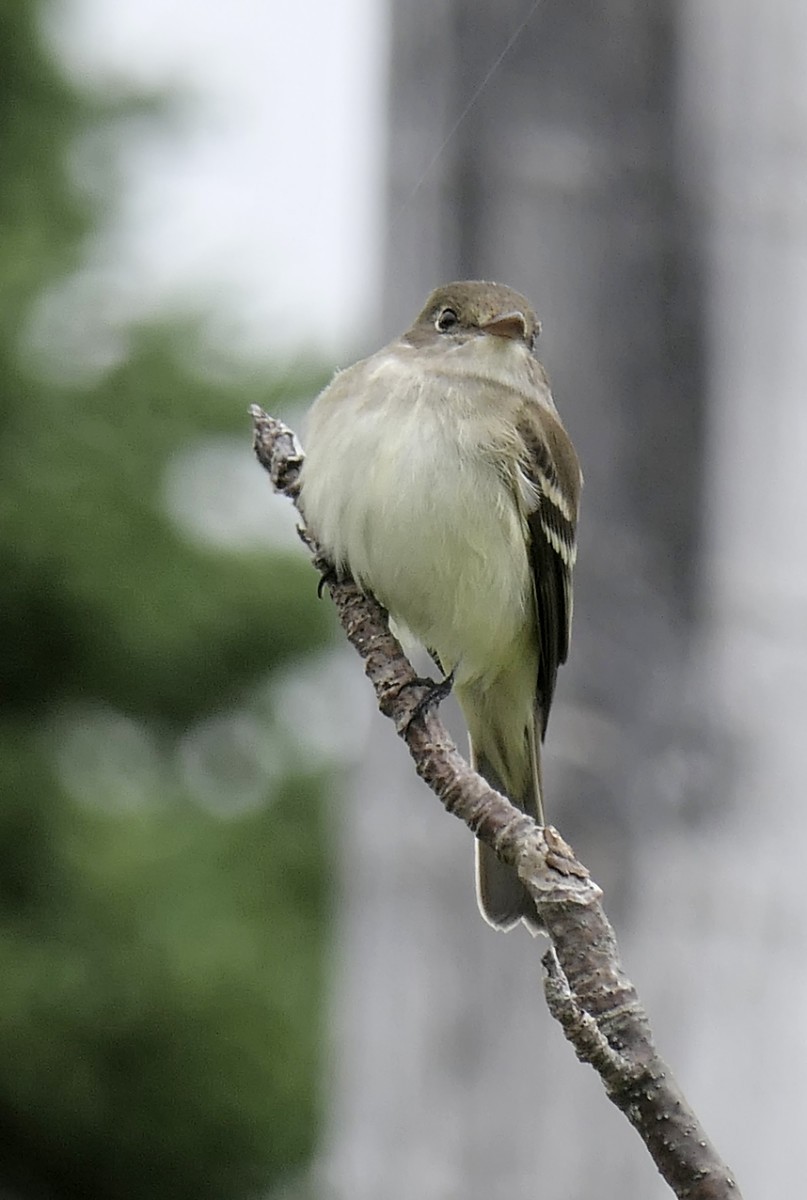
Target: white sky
[[262, 202]]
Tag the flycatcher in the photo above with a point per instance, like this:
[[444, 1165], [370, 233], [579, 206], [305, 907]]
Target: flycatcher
[[439, 476]]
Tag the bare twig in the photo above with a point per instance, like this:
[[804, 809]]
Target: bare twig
[[585, 985]]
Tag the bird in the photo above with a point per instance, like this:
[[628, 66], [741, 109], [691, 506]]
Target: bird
[[439, 477]]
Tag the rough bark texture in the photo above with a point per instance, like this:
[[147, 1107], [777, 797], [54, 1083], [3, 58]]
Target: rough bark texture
[[586, 987]]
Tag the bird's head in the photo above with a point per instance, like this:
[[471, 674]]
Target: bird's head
[[469, 309]]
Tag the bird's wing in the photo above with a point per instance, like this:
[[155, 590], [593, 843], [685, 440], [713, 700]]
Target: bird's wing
[[551, 468]]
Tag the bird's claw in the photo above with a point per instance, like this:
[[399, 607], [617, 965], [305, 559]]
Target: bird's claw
[[434, 696], [327, 577]]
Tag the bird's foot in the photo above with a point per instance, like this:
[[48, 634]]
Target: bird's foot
[[329, 575], [433, 697]]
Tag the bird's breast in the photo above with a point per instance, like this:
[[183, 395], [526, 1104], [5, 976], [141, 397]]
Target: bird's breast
[[403, 486]]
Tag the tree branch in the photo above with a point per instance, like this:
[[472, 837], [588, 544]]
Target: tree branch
[[586, 988]]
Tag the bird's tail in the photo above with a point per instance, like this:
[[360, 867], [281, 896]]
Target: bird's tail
[[503, 900]]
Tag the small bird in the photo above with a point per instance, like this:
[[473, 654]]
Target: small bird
[[439, 476]]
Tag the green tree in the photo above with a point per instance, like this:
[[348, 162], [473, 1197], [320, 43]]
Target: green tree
[[161, 966]]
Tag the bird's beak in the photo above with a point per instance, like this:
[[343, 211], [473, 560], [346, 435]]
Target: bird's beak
[[510, 325]]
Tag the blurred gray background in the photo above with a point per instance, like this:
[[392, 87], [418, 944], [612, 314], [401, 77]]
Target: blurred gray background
[[228, 898]]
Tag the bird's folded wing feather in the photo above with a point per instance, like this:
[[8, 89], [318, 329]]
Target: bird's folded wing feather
[[551, 467]]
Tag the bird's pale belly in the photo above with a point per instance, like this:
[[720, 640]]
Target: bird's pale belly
[[434, 532]]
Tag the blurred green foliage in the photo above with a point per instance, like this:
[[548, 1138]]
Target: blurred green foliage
[[162, 968]]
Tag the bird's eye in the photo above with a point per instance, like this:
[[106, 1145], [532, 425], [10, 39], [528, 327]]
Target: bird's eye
[[447, 320]]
